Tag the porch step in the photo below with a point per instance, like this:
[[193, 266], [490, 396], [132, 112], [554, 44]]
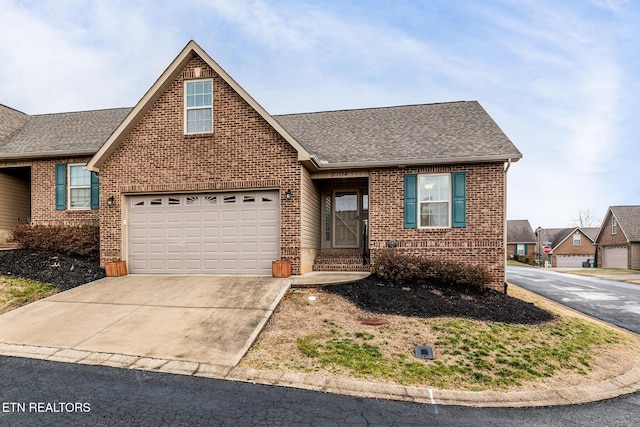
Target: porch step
[[340, 261]]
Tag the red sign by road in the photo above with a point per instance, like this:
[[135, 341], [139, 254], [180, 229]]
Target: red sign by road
[[546, 249]]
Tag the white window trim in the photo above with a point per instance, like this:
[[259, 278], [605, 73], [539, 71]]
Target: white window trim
[[578, 240], [196, 108], [69, 188], [520, 248], [614, 226], [420, 202]]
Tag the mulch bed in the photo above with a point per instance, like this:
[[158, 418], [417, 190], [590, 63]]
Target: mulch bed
[[376, 296], [64, 272]]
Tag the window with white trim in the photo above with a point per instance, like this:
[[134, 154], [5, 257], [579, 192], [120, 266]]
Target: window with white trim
[[521, 249], [198, 106], [577, 239], [614, 226], [434, 198], [79, 187]]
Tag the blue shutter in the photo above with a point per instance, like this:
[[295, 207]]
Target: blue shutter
[[95, 191], [411, 200], [61, 186], [459, 199]]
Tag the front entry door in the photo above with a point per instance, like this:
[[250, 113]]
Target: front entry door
[[346, 219]]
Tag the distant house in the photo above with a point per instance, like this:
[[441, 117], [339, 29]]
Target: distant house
[[570, 247], [521, 241], [618, 241]]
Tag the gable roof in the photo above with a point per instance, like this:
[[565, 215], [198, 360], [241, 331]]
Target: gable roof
[[47, 135], [520, 231], [452, 132], [10, 120], [190, 51], [628, 218]]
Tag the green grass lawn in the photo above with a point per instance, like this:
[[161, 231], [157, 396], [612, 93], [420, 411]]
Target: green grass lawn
[[470, 355], [16, 292]]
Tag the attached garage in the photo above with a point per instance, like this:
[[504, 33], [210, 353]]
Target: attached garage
[[615, 257], [571, 261], [210, 233]]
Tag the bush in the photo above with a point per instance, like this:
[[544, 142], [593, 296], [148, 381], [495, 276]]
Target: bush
[[404, 269], [83, 241]]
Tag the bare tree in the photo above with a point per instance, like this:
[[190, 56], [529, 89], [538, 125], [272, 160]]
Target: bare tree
[[586, 218]]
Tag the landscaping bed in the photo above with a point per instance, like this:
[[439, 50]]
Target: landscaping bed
[[378, 296], [62, 271]]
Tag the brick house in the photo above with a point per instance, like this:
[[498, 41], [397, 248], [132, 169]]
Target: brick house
[[199, 178], [570, 247], [618, 241], [521, 241]]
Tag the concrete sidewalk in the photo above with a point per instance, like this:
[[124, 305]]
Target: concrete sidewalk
[[196, 319]]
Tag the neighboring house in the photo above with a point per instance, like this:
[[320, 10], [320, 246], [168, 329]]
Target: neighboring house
[[619, 238], [199, 178], [42, 159], [570, 247], [521, 241]]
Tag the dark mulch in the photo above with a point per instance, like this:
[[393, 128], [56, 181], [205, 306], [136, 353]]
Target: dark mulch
[[65, 272], [426, 301]]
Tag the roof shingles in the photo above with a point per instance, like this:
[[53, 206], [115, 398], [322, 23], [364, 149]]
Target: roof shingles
[[64, 133], [436, 132]]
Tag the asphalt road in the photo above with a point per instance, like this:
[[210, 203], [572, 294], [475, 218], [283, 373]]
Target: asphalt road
[[45, 393], [614, 302]]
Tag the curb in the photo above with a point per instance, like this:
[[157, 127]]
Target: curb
[[626, 383]]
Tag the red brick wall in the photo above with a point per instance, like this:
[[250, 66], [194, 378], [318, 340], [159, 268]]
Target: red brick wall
[[480, 242], [43, 194], [243, 152]]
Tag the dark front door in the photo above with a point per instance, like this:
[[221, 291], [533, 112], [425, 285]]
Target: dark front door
[[346, 219]]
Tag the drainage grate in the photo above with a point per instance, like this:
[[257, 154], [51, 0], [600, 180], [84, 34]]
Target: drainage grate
[[424, 352]]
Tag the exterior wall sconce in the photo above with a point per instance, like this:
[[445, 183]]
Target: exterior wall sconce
[[287, 195], [110, 200]]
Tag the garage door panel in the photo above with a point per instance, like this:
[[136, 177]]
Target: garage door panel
[[615, 257], [228, 233], [571, 261]]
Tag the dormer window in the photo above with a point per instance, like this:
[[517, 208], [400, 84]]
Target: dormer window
[[198, 106]]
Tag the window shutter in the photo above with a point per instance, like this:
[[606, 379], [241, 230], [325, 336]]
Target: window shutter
[[95, 191], [61, 186], [411, 200], [459, 199]]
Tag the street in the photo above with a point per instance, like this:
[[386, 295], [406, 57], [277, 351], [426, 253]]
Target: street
[[38, 392], [615, 302]]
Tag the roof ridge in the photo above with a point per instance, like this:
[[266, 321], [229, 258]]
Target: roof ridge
[[82, 111], [388, 107]]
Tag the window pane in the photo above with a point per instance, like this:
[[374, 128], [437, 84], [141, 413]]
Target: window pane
[[199, 120], [434, 214], [78, 176], [435, 187], [80, 197]]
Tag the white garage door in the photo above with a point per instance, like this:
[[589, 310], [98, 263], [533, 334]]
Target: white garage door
[[615, 257], [220, 233], [571, 261]]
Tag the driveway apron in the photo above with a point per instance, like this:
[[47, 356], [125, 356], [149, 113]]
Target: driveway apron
[[203, 319]]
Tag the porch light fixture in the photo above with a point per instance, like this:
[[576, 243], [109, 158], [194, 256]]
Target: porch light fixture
[[110, 200], [287, 195]]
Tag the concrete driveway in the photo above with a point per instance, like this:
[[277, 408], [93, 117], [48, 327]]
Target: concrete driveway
[[202, 319]]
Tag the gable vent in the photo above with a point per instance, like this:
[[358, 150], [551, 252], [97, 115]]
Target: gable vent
[[197, 73]]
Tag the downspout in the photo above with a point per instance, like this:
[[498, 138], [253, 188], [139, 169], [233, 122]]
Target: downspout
[[506, 169]]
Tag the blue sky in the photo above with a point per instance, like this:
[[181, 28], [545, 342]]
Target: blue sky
[[561, 78]]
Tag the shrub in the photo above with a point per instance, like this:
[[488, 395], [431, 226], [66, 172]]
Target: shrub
[[83, 241], [404, 269]]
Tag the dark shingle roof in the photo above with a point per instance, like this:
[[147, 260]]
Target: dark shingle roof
[[591, 232], [628, 218], [436, 132], [520, 231], [64, 133]]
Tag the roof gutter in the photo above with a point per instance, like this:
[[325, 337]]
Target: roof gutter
[[414, 162], [47, 155], [506, 169]]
